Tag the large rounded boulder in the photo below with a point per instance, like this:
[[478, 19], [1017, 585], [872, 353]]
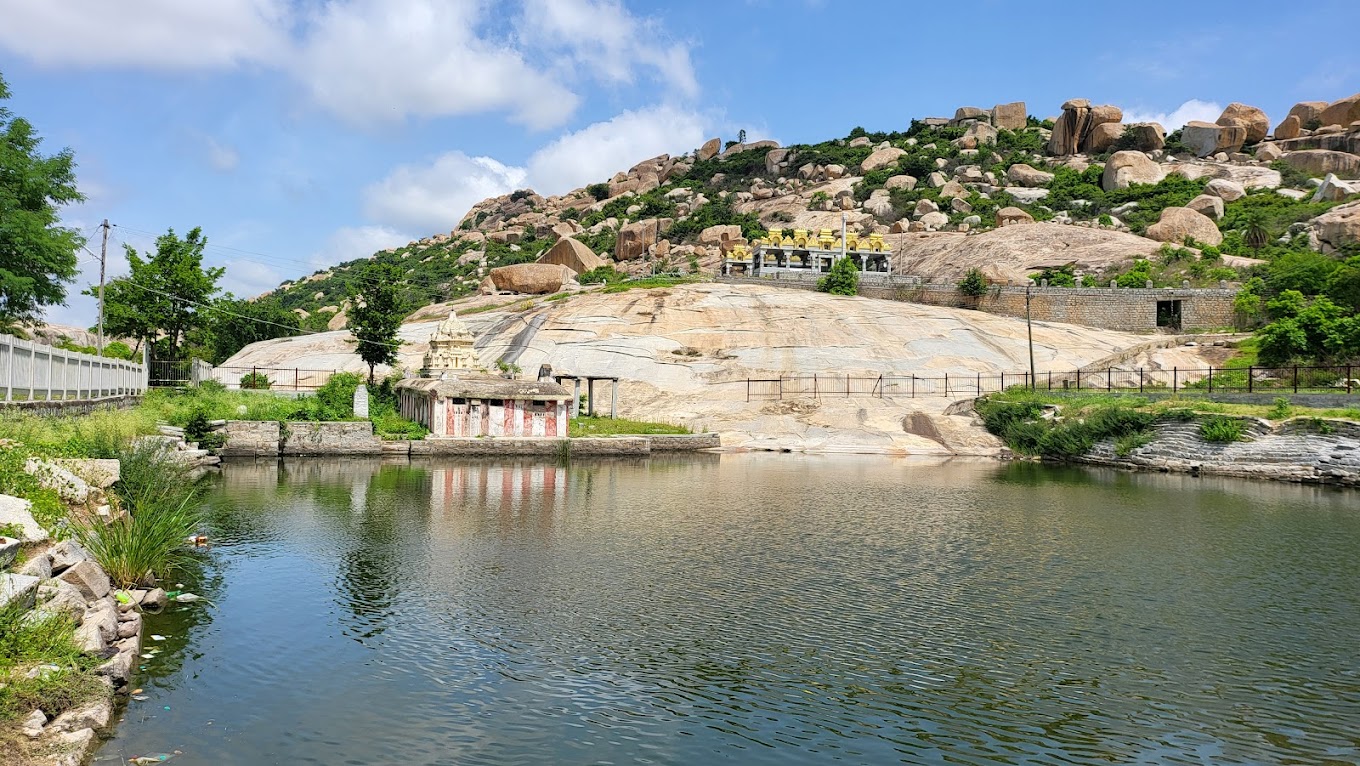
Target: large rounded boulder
[[1249, 117], [1126, 168], [1180, 223]]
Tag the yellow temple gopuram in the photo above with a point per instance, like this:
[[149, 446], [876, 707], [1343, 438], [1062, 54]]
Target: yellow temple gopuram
[[800, 251]]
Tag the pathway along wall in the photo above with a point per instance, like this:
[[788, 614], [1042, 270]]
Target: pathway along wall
[[1307, 450], [1124, 309]]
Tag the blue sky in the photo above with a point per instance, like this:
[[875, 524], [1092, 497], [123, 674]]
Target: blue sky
[[300, 133]]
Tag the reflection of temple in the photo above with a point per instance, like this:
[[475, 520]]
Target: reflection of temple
[[512, 487], [800, 251]]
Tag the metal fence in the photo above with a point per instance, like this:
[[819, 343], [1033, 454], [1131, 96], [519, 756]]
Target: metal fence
[[192, 372], [1295, 379], [32, 371]]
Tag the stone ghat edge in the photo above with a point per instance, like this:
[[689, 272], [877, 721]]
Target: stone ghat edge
[[247, 438]]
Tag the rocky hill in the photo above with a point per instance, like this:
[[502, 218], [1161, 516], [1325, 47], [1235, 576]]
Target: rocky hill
[[684, 354], [948, 194]]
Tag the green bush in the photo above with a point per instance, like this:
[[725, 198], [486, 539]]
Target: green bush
[[601, 275], [162, 509], [1059, 276], [1280, 409], [255, 381], [335, 399], [973, 284], [599, 191], [1221, 429], [1126, 444], [842, 279]]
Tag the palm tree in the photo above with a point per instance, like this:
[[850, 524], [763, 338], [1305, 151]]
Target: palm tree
[[1254, 231]]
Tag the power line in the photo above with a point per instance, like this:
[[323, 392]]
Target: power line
[[430, 288], [219, 309]]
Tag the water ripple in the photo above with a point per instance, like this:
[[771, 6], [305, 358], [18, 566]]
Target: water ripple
[[761, 609]]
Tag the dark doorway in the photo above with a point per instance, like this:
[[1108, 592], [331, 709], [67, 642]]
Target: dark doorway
[[1169, 314]]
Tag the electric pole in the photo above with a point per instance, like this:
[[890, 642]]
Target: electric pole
[[103, 254], [1029, 330]]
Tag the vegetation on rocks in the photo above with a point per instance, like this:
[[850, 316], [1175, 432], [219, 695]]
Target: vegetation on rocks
[[601, 426]]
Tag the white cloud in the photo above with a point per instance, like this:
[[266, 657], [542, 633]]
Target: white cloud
[[604, 38], [436, 196], [369, 61], [1194, 109], [597, 151], [384, 60], [151, 34]]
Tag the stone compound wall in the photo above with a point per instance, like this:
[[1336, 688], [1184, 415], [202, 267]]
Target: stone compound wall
[[1127, 310], [72, 406], [1300, 450], [247, 438]]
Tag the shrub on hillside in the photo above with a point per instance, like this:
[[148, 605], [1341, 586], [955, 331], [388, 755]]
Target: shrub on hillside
[[973, 284], [842, 279]]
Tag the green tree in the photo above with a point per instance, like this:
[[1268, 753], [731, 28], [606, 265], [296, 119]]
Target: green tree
[[37, 256], [375, 315], [234, 324], [973, 284], [842, 279], [1254, 231], [166, 294]]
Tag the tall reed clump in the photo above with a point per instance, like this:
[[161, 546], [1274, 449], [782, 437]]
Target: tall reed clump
[[162, 507]]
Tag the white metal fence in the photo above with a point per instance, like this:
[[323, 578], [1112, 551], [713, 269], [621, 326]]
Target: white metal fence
[[34, 372]]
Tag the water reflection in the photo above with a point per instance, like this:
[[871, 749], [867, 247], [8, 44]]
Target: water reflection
[[766, 609]]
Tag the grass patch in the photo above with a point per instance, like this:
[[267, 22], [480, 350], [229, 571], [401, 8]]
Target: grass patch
[[597, 426], [99, 434], [1221, 429], [48, 510], [648, 283], [25, 643]]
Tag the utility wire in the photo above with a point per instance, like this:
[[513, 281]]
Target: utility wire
[[219, 309], [429, 286]]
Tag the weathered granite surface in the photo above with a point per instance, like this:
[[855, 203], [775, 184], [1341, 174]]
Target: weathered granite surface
[[1301, 450]]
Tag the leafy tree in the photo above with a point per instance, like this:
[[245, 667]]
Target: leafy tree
[[165, 295], [234, 324], [1307, 271], [973, 284], [375, 315], [842, 279], [37, 256]]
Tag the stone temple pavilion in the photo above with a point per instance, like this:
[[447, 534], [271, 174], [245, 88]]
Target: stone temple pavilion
[[456, 397]]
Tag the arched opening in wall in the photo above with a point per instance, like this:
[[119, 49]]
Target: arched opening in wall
[[1169, 314]]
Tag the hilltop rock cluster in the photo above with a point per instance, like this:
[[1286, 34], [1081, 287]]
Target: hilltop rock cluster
[[979, 170]]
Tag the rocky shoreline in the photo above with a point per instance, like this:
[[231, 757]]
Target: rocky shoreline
[[63, 579], [1301, 450]]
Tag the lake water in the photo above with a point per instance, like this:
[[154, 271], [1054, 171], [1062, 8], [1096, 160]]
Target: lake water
[[758, 609]]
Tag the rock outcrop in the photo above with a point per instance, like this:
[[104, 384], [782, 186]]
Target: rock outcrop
[[1178, 224], [572, 254], [1320, 162], [1129, 167], [530, 278], [1338, 227], [1249, 117], [1010, 116], [1342, 111], [1206, 138]]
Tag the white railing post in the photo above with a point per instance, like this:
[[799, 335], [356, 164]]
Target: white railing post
[[51, 368], [9, 368]]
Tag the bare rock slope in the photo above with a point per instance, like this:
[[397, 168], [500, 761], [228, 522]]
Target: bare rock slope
[[684, 355]]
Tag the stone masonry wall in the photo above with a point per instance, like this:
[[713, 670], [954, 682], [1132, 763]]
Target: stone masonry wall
[[338, 438], [1128, 310]]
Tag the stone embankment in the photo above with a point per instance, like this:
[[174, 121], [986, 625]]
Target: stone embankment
[[268, 438], [1307, 450], [63, 579]]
